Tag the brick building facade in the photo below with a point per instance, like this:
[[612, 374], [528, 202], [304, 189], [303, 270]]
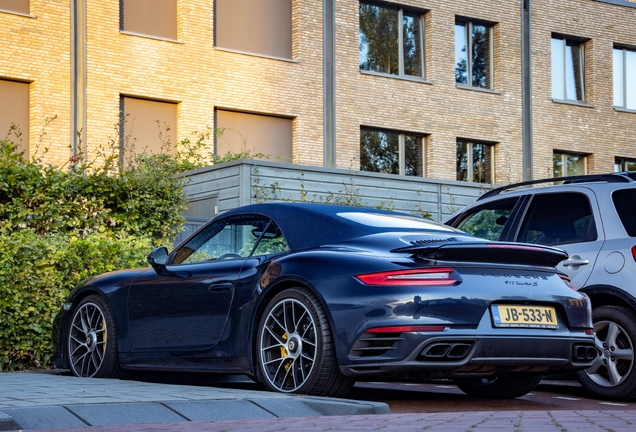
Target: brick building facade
[[443, 99]]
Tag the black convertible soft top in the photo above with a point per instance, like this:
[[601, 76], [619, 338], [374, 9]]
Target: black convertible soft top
[[307, 226]]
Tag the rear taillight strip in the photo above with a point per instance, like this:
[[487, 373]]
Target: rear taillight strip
[[431, 276], [402, 329]]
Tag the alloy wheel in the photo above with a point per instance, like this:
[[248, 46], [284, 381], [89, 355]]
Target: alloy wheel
[[288, 345], [615, 358], [87, 340]]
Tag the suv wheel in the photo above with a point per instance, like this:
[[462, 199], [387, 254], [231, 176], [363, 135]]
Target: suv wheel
[[613, 374]]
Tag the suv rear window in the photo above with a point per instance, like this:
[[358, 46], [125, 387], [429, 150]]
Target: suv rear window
[[625, 203]]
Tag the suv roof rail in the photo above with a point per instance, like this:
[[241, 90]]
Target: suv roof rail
[[622, 177]]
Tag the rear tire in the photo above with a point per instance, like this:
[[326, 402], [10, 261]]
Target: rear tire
[[499, 387], [92, 340], [295, 349], [612, 376]]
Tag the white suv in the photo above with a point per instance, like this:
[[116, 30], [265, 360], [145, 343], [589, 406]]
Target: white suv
[[593, 218]]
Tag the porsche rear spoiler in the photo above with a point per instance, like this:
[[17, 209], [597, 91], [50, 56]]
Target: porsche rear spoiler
[[487, 252]]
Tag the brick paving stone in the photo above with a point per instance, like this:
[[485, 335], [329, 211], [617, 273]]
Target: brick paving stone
[[517, 421]]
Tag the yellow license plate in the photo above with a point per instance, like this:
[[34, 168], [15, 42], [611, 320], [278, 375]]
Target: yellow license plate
[[524, 316]]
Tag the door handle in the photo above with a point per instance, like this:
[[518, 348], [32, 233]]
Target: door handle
[[221, 286], [575, 262]]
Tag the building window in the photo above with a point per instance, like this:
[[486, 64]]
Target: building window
[[391, 41], [253, 135], [569, 164], [148, 126], [475, 161], [255, 27], [568, 70], [624, 88], [391, 152], [473, 54], [18, 6], [156, 18], [624, 164], [14, 112]]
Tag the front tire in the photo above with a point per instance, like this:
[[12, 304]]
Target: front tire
[[92, 340], [612, 376], [501, 387], [295, 349]]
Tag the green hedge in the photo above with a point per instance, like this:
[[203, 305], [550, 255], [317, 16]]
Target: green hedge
[[59, 225], [37, 273]]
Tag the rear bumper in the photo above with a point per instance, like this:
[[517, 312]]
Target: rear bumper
[[463, 356]]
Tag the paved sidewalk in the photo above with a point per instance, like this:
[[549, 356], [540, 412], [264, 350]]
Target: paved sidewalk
[[42, 400], [51, 402], [517, 421]]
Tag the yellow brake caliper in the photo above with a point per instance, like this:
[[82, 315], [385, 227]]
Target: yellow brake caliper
[[283, 353], [105, 335]]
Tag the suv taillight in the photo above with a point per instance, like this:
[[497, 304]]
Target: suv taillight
[[634, 252], [566, 279]]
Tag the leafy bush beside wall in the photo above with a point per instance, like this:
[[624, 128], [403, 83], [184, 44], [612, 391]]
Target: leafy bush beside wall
[[59, 225]]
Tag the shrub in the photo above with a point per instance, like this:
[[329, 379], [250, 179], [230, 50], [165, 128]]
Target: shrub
[[59, 225], [36, 274]]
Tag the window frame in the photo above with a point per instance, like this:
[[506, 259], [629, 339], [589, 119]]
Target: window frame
[[621, 162], [401, 149], [181, 255], [469, 150], [564, 164], [529, 215], [493, 206], [248, 48], [149, 35], [469, 23], [422, 22], [623, 50], [581, 72], [19, 11]]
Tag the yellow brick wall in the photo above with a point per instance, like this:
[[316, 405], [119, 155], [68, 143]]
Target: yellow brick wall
[[598, 129], [201, 78], [37, 49]]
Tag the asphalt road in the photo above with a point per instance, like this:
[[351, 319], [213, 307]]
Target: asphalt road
[[550, 395]]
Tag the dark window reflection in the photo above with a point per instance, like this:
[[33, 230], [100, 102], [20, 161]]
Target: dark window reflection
[[379, 152], [480, 56], [413, 157], [573, 72], [379, 51], [473, 54], [380, 43], [474, 162], [461, 54], [411, 45], [482, 163], [462, 161]]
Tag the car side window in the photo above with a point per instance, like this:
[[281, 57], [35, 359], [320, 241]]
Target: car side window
[[488, 221], [231, 238], [625, 202], [559, 218], [271, 241]]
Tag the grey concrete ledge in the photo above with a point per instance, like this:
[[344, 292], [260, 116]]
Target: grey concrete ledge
[[7, 422], [45, 400]]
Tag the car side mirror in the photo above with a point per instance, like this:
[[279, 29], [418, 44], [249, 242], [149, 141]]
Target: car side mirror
[[158, 259]]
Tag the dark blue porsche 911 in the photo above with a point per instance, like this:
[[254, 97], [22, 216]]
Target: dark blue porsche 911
[[309, 298]]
